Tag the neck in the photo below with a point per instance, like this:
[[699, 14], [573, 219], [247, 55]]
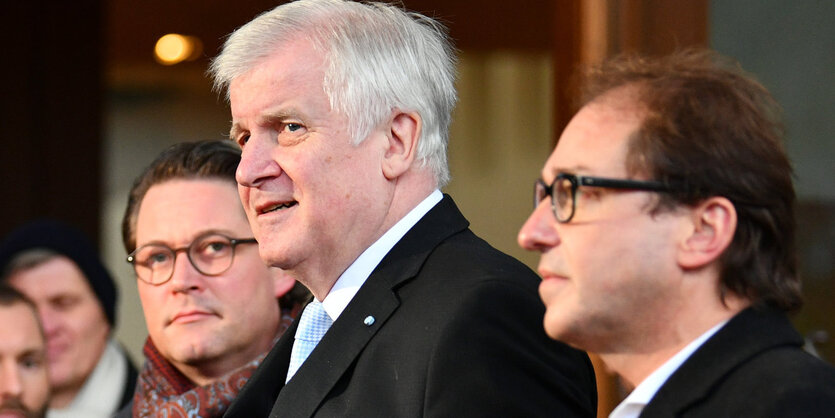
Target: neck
[[647, 353], [210, 370], [62, 397], [408, 192]]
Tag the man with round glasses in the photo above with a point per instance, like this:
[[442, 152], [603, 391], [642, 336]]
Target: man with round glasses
[[665, 225], [211, 305]]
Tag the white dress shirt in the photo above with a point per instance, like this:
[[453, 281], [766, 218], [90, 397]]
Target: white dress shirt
[[352, 279], [632, 406]]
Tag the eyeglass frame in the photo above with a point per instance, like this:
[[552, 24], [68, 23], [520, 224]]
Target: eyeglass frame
[[233, 242], [592, 181]]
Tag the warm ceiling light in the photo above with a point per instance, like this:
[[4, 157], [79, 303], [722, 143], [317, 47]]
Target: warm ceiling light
[[173, 48]]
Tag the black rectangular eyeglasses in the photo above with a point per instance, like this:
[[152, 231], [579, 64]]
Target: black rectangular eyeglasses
[[563, 191]]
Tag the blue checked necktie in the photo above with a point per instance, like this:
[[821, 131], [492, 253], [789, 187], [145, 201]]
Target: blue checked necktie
[[313, 324]]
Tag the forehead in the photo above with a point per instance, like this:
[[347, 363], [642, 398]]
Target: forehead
[[293, 69], [596, 140], [19, 330], [56, 276], [177, 211]]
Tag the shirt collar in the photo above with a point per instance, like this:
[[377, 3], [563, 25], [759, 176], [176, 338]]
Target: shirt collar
[[355, 275], [643, 393]]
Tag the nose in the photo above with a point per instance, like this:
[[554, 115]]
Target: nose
[[10, 385], [257, 162], [185, 277], [539, 233]]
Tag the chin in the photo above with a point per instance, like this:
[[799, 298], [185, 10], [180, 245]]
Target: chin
[[557, 324], [275, 256], [194, 354]]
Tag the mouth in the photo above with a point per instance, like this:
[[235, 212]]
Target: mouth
[[273, 207], [549, 275], [186, 317]]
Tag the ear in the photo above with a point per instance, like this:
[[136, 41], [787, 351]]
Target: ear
[[282, 281], [712, 230], [401, 148]]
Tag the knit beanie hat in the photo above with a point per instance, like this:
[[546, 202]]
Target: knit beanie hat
[[70, 242]]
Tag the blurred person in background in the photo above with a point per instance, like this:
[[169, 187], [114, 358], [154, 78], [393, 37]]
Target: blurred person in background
[[24, 380], [56, 266]]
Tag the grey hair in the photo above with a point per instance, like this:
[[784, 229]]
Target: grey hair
[[378, 58]]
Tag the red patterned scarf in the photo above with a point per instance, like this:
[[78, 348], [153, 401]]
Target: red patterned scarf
[[161, 390]]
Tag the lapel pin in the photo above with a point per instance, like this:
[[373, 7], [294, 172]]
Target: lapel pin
[[368, 321]]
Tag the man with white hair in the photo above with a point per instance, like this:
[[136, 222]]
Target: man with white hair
[[342, 110]]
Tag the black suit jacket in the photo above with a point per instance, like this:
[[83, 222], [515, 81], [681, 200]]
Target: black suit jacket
[[457, 332], [753, 367]]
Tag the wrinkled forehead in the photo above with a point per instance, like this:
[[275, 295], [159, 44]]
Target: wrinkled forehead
[[288, 69]]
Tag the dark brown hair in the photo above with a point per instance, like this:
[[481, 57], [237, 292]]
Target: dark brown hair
[[187, 160], [10, 296], [709, 129]]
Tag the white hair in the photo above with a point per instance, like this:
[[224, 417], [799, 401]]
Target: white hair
[[378, 58]]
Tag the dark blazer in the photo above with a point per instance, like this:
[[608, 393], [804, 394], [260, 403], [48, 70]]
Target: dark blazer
[[753, 367], [457, 332]]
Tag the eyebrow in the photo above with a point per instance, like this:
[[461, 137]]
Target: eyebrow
[[38, 351], [225, 232], [269, 117], [576, 169], [235, 130]]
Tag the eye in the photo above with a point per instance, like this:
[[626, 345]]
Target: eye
[[590, 193], [216, 247], [32, 362], [158, 257], [242, 140], [291, 127], [64, 302], [213, 247]]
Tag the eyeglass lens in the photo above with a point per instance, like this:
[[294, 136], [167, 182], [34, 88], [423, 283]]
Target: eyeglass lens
[[561, 196], [210, 255]]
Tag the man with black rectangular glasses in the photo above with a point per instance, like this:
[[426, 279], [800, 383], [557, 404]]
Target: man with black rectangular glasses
[[664, 218]]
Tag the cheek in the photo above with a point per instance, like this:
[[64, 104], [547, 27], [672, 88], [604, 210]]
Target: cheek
[[35, 394], [153, 305]]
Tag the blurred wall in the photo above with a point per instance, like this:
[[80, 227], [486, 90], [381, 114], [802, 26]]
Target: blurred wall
[[790, 47]]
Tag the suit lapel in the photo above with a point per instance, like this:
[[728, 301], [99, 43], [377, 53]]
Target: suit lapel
[[376, 299], [747, 334]]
